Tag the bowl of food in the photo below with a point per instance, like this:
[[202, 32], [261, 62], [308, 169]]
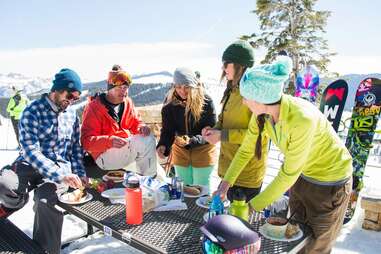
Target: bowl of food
[[275, 227]]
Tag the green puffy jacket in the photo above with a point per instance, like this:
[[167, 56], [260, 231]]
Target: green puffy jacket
[[233, 122], [16, 105]]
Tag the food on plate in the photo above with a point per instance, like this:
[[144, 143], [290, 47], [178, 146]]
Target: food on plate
[[192, 190], [277, 221], [74, 196], [101, 187], [115, 175], [292, 230], [275, 227]]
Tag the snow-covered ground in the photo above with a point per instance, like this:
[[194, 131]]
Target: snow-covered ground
[[353, 239]]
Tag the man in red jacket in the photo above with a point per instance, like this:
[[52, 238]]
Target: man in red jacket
[[112, 131]]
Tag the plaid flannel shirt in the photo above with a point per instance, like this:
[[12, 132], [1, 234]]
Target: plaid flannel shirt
[[50, 140]]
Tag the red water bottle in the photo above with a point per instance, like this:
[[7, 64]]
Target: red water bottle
[[134, 201]]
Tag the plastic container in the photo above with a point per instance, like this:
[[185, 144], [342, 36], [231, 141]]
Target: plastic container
[[179, 189], [216, 207], [134, 201], [239, 207]]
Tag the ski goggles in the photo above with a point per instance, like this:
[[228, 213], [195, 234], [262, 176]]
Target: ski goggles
[[119, 78], [209, 247]]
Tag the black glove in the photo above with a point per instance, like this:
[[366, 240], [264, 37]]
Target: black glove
[[195, 141]]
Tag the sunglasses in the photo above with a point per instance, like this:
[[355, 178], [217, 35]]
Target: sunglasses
[[225, 64], [71, 97]]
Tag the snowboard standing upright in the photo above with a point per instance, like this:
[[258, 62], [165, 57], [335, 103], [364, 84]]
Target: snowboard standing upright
[[366, 113], [333, 101], [307, 83]]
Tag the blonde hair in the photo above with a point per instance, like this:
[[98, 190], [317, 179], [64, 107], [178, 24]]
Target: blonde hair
[[194, 103]]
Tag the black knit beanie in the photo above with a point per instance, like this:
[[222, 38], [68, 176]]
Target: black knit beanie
[[240, 52]]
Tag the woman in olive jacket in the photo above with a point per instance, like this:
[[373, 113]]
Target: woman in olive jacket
[[186, 111], [233, 122]]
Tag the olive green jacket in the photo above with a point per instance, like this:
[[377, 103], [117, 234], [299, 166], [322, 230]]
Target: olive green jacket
[[233, 122]]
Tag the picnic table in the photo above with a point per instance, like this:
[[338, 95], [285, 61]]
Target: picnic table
[[164, 231]]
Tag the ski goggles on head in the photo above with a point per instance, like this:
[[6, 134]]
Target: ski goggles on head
[[119, 78]]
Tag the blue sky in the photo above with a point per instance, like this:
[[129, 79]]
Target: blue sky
[[39, 37]]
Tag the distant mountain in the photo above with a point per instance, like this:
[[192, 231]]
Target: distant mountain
[[28, 85], [147, 88]]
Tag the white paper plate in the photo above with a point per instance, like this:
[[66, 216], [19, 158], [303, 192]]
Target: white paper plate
[[106, 178], [204, 191], [116, 193], [294, 238], [203, 202], [85, 199]]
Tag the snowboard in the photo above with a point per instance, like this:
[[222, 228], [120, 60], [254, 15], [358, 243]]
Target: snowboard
[[366, 113], [333, 101], [307, 83]]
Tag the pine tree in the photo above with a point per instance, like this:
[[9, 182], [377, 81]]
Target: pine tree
[[293, 26]]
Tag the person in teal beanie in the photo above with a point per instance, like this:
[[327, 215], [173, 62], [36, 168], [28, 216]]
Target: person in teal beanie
[[317, 165], [50, 159], [67, 79]]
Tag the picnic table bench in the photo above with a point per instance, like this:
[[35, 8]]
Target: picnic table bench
[[13, 240]]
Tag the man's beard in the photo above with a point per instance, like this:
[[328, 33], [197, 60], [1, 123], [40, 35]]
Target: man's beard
[[60, 104]]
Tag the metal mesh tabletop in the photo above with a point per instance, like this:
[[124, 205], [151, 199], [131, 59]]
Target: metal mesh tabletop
[[160, 232]]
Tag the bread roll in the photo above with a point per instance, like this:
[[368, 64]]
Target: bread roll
[[74, 196], [192, 190], [291, 230]]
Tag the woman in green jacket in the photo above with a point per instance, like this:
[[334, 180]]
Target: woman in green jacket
[[317, 166], [230, 129]]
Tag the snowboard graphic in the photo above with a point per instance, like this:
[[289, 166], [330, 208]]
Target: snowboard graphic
[[307, 83], [366, 113], [333, 101]]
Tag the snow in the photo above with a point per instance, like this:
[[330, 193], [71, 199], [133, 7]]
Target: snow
[[27, 84], [163, 79], [352, 239]]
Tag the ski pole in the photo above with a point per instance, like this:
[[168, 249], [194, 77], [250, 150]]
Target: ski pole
[[6, 143]]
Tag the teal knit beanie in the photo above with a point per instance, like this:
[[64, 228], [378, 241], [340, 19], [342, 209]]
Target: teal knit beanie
[[240, 52], [67, 80], [264, 84]]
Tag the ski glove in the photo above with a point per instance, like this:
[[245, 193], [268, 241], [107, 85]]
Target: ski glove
[[195, 141]]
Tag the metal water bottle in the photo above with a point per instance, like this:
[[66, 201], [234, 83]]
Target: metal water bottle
[[239, 207], [134, 201]]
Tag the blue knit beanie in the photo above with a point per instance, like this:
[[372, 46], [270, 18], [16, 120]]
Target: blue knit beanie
[[264, 84], [67, 80]]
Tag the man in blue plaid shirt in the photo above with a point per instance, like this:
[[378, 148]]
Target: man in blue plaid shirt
[[50, 154]]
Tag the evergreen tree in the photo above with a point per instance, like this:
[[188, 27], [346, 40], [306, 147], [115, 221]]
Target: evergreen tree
[[293, 26]]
